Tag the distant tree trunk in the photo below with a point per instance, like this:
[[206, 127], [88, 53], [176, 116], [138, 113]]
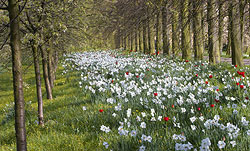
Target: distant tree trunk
[[236, 46], [55, 64], [174, 28], [164, 31], [45, 73], [221, 18], [131, 40], [185, 30], [125, 41], [50, 66], [203, 17], [214, 55], [157, 33], [144, 26], [197, 38], [139, 37], [136, 38], [149, 32], [242, 5], [229, 30], [21, 144], [38, 83]]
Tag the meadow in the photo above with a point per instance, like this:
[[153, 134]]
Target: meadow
[[111, 100]]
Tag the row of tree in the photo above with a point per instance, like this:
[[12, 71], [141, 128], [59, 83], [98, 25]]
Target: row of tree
[[189, 27], [39, 32]]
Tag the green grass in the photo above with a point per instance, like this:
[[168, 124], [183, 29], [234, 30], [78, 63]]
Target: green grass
[[67, 127]]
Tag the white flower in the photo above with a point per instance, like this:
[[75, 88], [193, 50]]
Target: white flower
[[193, 127], [142, 148], [178, 146], [149, 139], [138, 118], [133, 133], [233, 143], [183, 110], [248, 132], [201, 118], [159, 118], [143, 114], [114, 114], [192, 119], [105, 129], [143, 125], [221, 144], [84, 108], [205, 142], [129, 112], [105, 144], [143, 137]]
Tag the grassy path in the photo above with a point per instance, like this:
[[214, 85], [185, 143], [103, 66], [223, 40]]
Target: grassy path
[[66, 125]]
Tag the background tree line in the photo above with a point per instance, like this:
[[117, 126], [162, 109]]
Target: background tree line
[[186, 27]]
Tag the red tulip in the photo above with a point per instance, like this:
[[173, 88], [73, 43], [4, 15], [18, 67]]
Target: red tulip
[[166, 118]]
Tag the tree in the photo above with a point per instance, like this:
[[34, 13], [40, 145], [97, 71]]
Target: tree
[[185, 29], [166, 50], [13, 9], [197, 38], [234, 20], [213, 49]]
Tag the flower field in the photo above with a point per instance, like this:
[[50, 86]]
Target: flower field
[[153, 103]]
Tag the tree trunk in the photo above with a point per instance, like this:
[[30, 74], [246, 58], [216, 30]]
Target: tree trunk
[[213, 49], [45, 73], [139, 37], [38, 83], [20, 129], [174, 28], [131, 40], [229, 30], [136, 37], [149, 32], [144, 26], [185, 30], [220, 31], [157, 33], [164, 31], [197, 38], [125, 41], [237, 58], [50, 66]]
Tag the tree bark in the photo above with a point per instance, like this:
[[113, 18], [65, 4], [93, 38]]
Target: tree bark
[[213, 49], [38, 83], [50, 66], [197, 38], [139, 37], [185, 30], [164, 31], [220, 31], [21, 144], [136, 39], [174, 28], [144, 26], [157, 33], [149, 32], [131, 40], [45, 73], [236, 46]]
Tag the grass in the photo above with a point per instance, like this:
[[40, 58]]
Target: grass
[[66, 125]]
